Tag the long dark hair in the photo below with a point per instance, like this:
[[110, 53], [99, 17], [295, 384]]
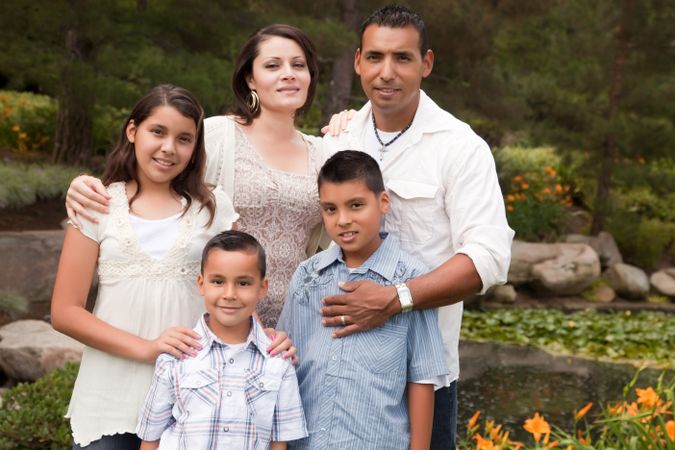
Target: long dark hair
[[189, 184], [243, 67]]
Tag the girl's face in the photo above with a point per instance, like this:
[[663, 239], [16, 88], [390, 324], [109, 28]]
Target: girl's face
[[164, 143], [280, 75]]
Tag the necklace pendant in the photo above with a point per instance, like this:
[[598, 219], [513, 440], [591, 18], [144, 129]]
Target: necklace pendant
[[382, 150]]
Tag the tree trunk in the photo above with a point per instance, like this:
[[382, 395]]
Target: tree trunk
[[73, 138], [340, 86], [609, 152]]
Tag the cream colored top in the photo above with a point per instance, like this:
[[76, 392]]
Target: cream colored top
[[143, 296]]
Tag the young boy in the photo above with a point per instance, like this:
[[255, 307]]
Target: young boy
[[354, 389], [232, 394]]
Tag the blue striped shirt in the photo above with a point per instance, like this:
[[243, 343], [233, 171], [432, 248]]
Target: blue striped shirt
[[228, 396], [354, 389]]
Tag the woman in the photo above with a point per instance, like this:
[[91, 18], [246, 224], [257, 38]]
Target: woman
[[258, 157]]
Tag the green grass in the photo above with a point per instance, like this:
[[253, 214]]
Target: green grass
[[642, 338], [23, 184]]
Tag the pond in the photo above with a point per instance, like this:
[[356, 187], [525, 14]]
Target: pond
[[509, 383]]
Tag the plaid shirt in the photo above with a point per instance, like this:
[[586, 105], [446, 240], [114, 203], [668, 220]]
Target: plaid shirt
[[225, 397]]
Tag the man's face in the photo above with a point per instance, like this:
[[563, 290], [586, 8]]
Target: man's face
[[391, 69]]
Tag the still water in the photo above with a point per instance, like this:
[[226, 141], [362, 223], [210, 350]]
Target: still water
[[509, 383]]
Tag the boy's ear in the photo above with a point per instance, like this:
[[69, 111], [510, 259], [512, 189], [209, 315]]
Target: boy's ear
[[131, 131], [385, 202], [264, 287], [200, 283]]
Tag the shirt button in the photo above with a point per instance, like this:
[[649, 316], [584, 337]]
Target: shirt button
[[261, 384], [231, 360], [334, 358], [229, 393], [226, 429], [323, 429]]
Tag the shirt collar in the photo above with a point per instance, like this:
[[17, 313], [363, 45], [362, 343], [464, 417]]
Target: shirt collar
[[256, 338], [380, 261], [429, 118]]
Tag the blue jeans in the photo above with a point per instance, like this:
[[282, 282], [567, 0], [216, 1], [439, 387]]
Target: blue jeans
[[124, 441], [444, 431]]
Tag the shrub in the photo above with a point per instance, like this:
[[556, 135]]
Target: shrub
[[23, 184], [31, 416], [537, 199], [12, 305], [27, 121], [642, 241]]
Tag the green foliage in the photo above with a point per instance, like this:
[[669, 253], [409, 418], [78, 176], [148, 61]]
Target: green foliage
[[27, 121], [642, 241], [23, 184], [12, 304], [642, 337], [536, 198], [31, 416]]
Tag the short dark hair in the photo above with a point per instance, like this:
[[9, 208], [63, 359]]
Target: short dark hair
[[394, 16], [349, 165], [243, 67], [233, 241]]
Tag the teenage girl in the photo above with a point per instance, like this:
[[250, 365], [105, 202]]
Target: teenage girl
[[147, 249]]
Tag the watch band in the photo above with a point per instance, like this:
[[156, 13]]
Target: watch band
[[404, 297]]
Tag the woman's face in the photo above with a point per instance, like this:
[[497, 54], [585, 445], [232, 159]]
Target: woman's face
[[280, 75]]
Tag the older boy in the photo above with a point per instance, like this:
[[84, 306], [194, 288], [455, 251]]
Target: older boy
[[232, 394], [354, 389]]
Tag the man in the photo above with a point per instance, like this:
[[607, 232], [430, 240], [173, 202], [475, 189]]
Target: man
[[447, 206]]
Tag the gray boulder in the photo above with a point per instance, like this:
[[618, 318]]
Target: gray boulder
[[663, 282], [604, 245], [575, 268], [502, 294], [524, 255], [628, 281], [31, 348]]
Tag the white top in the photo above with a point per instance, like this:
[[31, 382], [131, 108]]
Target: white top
[[445, 200], [155, 236], [142, 296]]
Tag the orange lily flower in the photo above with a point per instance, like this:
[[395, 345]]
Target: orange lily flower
[[473, 419], [485, 444], [582, 412], [537, 425], [647, 397], [670, 430]]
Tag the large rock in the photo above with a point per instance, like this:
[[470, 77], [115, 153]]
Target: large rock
[[29, 262], [526, 254], [31, 348], [576, 267], [560, 269], [502, 294], [628, 281], [663, 282], [604, 245]]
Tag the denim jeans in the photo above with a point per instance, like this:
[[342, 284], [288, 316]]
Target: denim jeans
[[444, 431], [124, 441]]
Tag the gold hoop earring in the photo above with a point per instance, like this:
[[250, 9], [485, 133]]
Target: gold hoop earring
[[253, 102]]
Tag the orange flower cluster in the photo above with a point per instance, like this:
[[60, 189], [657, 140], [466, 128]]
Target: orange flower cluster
[[540, 188], [650, 415]]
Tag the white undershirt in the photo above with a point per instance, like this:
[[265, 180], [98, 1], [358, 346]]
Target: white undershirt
[[373, 146], [156, 237]]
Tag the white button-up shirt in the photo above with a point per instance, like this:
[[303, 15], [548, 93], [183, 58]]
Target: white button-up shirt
[[445, 199], [228, 396]]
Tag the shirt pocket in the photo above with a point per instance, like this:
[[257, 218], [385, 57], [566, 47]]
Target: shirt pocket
[[413, 209], [383, 349], [262, 392], [200, 391]]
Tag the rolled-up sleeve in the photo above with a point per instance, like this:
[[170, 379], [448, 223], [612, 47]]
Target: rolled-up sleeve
[[476, 210], [155, 416]]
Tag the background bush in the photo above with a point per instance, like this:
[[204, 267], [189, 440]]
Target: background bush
[[31, 416], [23, 184], [537, 199], [27, 121]]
